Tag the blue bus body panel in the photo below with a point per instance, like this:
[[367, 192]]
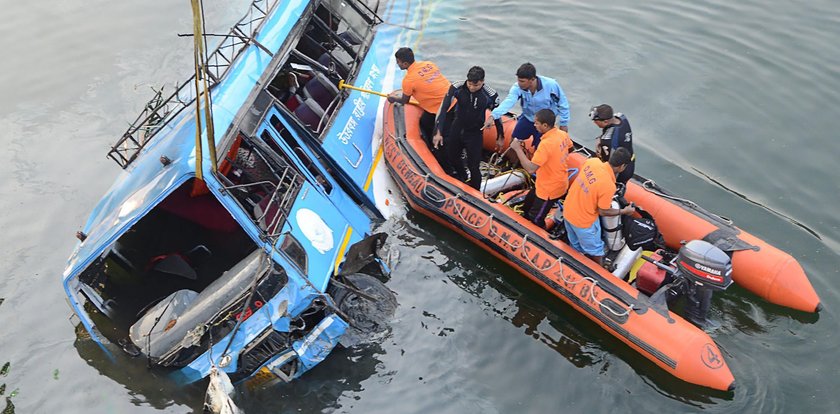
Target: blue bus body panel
[[325, 224]]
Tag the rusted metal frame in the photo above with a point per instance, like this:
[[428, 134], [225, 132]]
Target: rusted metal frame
[[124, 156]]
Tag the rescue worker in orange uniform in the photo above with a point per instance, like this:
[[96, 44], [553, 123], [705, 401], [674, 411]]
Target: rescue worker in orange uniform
[[549, 163], [424, 82], [590, 197]]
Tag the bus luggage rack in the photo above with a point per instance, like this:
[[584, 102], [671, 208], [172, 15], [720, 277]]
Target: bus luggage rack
[[159, 111]]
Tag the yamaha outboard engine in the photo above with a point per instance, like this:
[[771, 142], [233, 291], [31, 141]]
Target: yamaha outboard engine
[[707, 269], [695, 273]]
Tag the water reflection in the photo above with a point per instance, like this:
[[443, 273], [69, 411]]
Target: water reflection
[[325, 388], [146, 386]]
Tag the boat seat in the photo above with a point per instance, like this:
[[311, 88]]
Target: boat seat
[[310, 113], [321, 90], [167, 326]]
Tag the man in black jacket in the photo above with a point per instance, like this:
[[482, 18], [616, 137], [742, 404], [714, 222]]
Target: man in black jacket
[[465, 128], [615, 133]]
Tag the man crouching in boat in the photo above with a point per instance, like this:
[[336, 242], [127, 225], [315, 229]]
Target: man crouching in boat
[[590, 197], [466, 120], [549, 163], [424, 81]]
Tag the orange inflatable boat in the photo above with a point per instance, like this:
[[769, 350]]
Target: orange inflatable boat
[[628, 313]]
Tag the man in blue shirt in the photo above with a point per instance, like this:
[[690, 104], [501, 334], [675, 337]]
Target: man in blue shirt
[[533, 93]]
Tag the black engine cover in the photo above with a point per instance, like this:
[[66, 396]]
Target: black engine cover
[[705, 265]]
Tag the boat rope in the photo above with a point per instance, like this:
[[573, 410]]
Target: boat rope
[[544, 269], [425, 180], [426, 193], [458, 209], [493, 162], [583, 150], [514, 246], [571, 282], [650, 186], [592, 291]]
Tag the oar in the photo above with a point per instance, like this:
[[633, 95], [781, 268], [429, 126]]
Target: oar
[[342, 85]]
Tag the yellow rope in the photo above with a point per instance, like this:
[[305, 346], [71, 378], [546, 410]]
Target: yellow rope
[[202, 89], [196, 46]]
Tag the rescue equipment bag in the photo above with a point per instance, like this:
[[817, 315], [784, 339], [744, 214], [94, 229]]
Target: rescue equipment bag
[[641, 231]]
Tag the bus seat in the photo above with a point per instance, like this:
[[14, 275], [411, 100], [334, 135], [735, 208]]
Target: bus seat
[[321, 90], [310, 113]]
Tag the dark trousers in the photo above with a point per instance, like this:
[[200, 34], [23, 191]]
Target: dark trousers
[[427, 129], [455, 144], [536, 208], [524, 129]]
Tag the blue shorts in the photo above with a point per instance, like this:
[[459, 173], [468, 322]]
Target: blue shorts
[[586, 240], [524, 129]]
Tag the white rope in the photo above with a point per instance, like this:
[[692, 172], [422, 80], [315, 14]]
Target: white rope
[[426, 185], [518, 246], [426, 193], [458, 211], [591, 290], [515, 247], [545, 268], [649, 184]]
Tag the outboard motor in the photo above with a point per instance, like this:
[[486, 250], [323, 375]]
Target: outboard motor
[[698, 270], [708, 269]]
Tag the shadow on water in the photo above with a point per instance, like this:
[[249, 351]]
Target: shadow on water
[[318, 390], [322, 389], [546, 318], [741, 310], [146, 386]]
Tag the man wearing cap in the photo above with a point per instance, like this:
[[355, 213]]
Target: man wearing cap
[[549, 163], [615, 133], [423, 81], [590, 197], [474, 99], [533, 93]]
